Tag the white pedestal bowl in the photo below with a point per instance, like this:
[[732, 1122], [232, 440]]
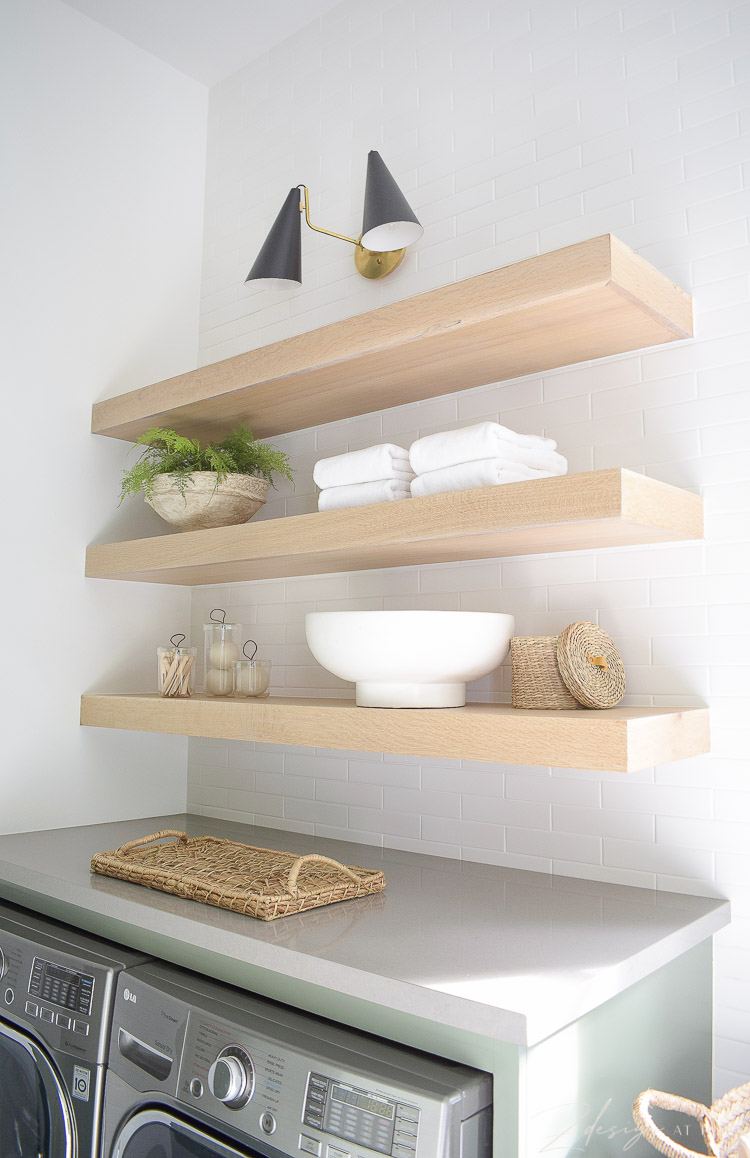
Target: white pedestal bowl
[[409, 659]]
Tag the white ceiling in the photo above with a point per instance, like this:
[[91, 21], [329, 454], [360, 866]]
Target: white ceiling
[[207, 39]]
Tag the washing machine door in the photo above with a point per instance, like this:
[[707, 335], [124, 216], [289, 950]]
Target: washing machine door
[[154, 1133], [35, 1116]]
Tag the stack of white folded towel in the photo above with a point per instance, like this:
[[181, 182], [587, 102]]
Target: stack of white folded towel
[[480, 456], [378, 474]]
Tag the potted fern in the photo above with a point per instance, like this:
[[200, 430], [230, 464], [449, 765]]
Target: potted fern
[[193, 486]]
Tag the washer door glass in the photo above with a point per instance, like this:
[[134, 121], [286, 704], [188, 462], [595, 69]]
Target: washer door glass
[[156, 1134], [34, 1118]]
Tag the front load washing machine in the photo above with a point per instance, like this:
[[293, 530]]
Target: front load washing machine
[[201, 1070], [57, 989]]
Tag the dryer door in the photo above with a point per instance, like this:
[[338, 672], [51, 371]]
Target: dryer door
[[156, 1133], [35, 1118]]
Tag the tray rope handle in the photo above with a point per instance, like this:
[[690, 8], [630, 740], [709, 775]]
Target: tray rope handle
[[124, 849], [658, 1139], [301, 860]]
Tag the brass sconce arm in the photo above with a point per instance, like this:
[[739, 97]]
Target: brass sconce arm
[[369, 263], [305, 207]]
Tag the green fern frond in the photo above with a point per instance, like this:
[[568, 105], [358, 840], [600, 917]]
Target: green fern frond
[[167, 452]]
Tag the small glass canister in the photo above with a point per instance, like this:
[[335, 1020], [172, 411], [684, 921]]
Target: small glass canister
[[175, 668], [222, 650], [252, 677]]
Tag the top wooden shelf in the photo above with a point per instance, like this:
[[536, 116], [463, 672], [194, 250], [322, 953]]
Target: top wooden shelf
[[586, 301]]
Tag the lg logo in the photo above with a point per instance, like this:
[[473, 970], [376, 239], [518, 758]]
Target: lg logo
[[129, 996]]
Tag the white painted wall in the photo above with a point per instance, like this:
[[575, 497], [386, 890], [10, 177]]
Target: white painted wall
[[515, 129], [103, 157]]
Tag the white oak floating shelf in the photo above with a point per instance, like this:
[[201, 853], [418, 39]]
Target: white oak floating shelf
[[615, 740], [587, 301], [605, 508]]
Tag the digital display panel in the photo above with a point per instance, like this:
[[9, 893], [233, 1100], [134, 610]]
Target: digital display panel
[[61, 986], [57, 973], [363, 1102]]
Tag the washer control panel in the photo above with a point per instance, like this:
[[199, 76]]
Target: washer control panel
[[62, 987], [361, 1117], [58, 983], [281, 1077]]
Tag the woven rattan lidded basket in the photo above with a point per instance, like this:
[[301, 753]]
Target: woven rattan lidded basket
[[257, 882], [580, 668]]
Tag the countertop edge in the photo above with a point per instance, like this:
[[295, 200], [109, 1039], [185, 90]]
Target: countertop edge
[[613, 981]]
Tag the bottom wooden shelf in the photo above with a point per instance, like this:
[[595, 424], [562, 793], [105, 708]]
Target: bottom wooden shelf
[[615, 740]]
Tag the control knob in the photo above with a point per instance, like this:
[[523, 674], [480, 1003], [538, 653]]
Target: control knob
[[231, 1078]]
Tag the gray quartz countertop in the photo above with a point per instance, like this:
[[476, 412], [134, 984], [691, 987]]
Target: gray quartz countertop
[[503, 953]]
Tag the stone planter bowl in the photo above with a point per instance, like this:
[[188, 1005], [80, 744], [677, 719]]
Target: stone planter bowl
[[204, 504]]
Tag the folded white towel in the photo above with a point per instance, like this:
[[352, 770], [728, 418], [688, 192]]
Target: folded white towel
[[484, 472], [435, 451], [548, 460], [360, 494], [373, 464]]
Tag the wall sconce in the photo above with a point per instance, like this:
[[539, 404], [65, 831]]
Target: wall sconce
[[388, 227]]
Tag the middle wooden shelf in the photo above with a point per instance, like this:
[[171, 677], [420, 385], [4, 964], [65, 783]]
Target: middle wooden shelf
[[615, 740], [604, 508]]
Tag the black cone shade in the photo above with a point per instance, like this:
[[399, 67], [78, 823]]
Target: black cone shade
[[279, 263], [388, 221]]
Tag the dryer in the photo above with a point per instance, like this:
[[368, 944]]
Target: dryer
[[202, 1070], [57, 989]]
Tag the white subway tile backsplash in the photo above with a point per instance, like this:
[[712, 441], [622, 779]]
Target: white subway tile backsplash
[[701, 834], [512, 600], [323, 587], [369, 584], [316, 812], [488, 126], [399, 775], [380, 820], [645, 396], [284, 784], [462, 576], [663, 858], [591, 377], [578, 568], [657, 800], [347, 792], [676, 559], [598, 822], [555, 845], [308, 764], [468, 833], [618, 594], [422, 801], [523, 813], [480, 779], [523, 785]]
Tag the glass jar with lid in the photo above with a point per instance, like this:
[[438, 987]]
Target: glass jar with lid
[[222, 649]]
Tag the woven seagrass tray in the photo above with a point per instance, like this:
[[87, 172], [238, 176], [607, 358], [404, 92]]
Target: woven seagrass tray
[[258, 882]]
